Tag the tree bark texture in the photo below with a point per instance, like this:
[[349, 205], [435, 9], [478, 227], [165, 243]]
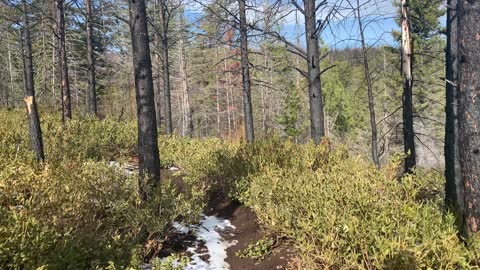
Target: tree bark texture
[[317, 119], [31, 105], [453, 184], [149, 158], [92, 93], [64, 82], [468, 96], [166, 66], [407, 103], [246, 84]]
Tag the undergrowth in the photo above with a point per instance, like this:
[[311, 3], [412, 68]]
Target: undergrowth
[[77, 212]]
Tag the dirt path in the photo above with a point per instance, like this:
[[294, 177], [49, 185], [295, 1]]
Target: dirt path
[[247, 231]]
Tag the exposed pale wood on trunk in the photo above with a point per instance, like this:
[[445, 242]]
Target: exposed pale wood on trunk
[[407, 63]]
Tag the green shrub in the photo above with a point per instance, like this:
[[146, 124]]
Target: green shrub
[[347, 215], [75, 211], [257, 250]]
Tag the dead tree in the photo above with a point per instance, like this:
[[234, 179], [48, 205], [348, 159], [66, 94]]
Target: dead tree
[[407, 103], [368, 78], [28, 77], [312, 33]]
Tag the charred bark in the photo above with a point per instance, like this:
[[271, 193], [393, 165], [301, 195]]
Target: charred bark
[[28, 77], [407, 102], [149, 158], [453, 184]]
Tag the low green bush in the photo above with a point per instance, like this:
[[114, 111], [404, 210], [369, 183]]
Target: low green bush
[[77, 212], [345, 214]]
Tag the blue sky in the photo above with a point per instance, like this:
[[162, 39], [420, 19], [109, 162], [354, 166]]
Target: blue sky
[[377, 19]]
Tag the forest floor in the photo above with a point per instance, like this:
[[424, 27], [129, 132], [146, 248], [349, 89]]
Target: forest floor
[[240, 231]]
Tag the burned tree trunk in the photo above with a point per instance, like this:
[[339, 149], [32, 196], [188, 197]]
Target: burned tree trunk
[[468, 94], [407, 103], [92, 94], [246, 86], [149, 160], [28, 77], [317, 124], [453, 184], [64, 82]]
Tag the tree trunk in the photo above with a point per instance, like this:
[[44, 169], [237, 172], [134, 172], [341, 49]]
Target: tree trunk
[[92, 94], [247, 98], [10, 71], [158, 72], [371, 102], [317, 124], [217, 95], [453, 184], [187, 119], [468, 95], [149, 160], [166, 66], [64, 82], [407, 61], [44, 56], [28, 76], [264, 94]]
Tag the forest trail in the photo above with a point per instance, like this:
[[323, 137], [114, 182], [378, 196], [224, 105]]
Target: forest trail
[[239, 229], [248, 231]]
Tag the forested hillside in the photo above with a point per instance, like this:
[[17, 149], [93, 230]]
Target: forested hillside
[[345, 133]]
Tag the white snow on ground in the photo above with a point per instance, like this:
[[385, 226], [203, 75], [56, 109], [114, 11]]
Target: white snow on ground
[[174, 168], [208, 232]]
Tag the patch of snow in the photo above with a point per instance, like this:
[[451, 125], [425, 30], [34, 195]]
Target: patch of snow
[[174, 168], [207, 232], [181, 228]]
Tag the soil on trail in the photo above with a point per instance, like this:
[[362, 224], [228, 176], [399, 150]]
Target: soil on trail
[[248, 231]]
